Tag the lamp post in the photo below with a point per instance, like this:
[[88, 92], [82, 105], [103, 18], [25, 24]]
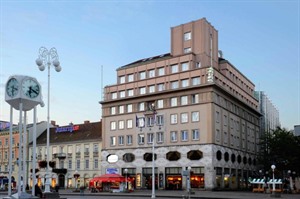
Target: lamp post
[[126, 171], [273, 168], [189, 181], [141, 124], [48, 57], [76, 176]]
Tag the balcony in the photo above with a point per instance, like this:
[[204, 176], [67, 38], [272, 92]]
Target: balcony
[[60, 156], [86, 153], [69, 155], [95, 153], [78, 154]]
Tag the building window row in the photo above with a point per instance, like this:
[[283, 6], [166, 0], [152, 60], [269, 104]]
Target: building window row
[[157, 87]]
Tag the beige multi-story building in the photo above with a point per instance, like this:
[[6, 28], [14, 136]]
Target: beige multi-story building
[[75, 149], [206, 117]]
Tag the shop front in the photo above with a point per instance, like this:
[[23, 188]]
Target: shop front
[[147, 178], [173, 178]]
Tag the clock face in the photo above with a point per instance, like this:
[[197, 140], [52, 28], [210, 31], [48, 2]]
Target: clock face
[[12, 87], [31, 88]]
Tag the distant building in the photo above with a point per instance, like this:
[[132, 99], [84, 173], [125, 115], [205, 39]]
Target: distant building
[[4, 146], [206, 118], [270, 114], [73, 148], [297, 130]]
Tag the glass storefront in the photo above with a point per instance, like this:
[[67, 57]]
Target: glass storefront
[[173, 178]]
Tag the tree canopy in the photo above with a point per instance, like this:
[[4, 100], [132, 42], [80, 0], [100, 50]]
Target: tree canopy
[[281, 148]]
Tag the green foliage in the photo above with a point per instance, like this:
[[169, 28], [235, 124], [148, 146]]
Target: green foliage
[[282, 148]]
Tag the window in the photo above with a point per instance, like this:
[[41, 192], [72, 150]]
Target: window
[[86, 148], [150, 137], [187, 36], [217, 117], [151, 73], [195, 81], [174, 84], [161, 87], [69, 164], [159, 120], [187, 50], [13, 141], [184, 117], [77, 164], [121, 109], [87, 163], [129, 139], [130, 92], [173, 136], [141, 106], [152, 89], [143, 75], [121, 140], [129, 124], [173, 118], [130, 78], [129, 108], [160, 103], [114, 95], [195, 98], [184, 66], [142, 90], [195, 116], [113, 141], [174, 68], [122, 79], [184, 135], [122, 94], [184, 83], [195, 134], [160, 137], [161, 71], [121, 124], [113, 110], [96, 164], [184, 100], [198, 65], [141, 138], [112, 126], [150, 120], [96, 148], [54, 150], [173, 101]]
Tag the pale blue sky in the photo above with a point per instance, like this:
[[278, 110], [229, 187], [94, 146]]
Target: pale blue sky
[[260, 38]]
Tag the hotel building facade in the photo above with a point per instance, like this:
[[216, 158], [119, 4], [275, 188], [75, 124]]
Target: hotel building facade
[[206, 118]]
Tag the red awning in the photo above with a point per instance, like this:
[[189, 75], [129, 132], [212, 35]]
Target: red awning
[[109, 178]]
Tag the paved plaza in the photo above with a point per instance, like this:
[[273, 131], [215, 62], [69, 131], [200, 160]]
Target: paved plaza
[[170, 194]]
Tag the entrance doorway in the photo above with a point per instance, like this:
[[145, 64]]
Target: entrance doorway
[[61, 181]]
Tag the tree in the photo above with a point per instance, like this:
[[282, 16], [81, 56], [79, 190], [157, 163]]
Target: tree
[[282, 148]]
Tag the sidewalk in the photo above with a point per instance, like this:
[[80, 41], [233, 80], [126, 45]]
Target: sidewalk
[[180, 194]]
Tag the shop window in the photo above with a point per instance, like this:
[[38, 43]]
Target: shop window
[[128, 157], [226, 156], [219, 155], [173, 156], [194, 155], [148, 157]]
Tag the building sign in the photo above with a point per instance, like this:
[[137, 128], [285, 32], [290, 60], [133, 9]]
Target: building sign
[[67, 129], [4, 125], [112, 171]]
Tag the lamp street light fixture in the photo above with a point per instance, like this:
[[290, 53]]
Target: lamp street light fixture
[[48, 57], [141, 124], [76, 176], [126, 171], [273, 168]]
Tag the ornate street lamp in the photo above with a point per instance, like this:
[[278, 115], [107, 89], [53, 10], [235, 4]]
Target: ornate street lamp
[[76, 176], [48, 57], [273, 168]]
